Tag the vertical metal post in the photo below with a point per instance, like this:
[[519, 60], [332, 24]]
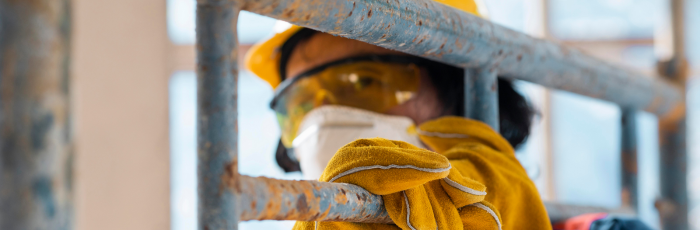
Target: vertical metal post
[[217, 82], [481, 96], [36, 137], [673, 207], [629, 161]]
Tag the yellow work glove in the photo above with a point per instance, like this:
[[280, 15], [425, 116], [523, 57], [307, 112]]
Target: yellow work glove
[[420, 188], [481, 154]]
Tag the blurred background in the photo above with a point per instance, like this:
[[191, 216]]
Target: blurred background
[[134, 107]]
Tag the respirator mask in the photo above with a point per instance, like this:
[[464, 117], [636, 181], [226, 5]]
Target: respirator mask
[[326, 129], [334, 104]]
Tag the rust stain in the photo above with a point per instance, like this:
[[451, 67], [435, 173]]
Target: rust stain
[[629, 161], [341, 198], [301, 205], [311, 200], [353, 9], [458, 44], [289, 13], [274, 5], [328, 209], [269, 207], [230, 177], [668, 122], [625, 196], [273, 205]]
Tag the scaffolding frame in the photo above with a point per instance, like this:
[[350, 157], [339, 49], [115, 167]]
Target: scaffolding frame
[[431, 30], [419, 27]]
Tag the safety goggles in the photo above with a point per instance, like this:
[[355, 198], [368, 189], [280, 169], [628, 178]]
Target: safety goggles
[[376, 83]]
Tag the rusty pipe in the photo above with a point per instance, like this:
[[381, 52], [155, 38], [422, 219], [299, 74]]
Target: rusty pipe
[[272, 199]]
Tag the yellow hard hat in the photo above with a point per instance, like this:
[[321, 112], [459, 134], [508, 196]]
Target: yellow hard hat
[[263, 58]]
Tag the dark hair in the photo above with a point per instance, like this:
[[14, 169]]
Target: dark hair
[[515, 113]]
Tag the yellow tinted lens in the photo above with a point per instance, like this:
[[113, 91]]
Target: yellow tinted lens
[[373, 86]]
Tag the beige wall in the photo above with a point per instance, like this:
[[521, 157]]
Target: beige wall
[[120, 80]]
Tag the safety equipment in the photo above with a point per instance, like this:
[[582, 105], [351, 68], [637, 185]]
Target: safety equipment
[[473, 181], [373, 83], [263, 59], [328, 128]]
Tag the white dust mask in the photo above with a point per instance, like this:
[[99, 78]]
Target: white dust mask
[[326, 129]]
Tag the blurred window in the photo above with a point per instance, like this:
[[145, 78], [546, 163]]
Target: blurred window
[[181, 24], [694, 150], [693, 32], [183, 150], [586, 146], [602, 19]]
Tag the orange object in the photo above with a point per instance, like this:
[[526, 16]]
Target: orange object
[[582, 222]]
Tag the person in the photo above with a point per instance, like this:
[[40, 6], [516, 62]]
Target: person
[[391, 123]]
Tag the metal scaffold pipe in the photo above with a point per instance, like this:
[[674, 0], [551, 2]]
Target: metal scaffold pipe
[[36, 136], [429, 29], [217, 116], [271, 199], [673, 205]]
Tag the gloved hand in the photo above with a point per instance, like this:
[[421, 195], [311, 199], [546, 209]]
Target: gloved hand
[[420, 188], [481, 154]]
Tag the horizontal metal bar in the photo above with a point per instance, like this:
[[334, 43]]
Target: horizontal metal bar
[[429, 29], [271, 199]]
